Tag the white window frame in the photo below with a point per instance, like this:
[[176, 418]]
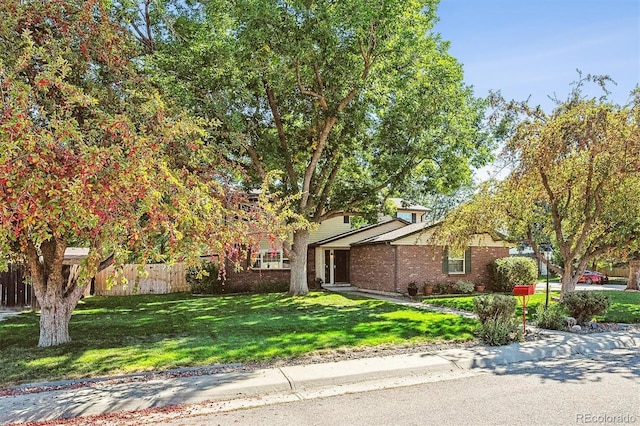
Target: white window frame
[[455, 257], [278, 262]]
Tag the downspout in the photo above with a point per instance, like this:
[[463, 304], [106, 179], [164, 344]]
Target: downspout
[[395, 268]]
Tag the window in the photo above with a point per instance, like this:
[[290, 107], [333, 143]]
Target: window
[[345, 219], [456, 261], [271, 260], [414, 218]]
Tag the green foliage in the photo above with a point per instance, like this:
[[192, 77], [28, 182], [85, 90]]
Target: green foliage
[[497, 315], [463, 287], [205, 279], [279, 287], [584, 305], [497, 332], [494, 307], [551, 318], [514, 270], [574, 183], [440, 288], [318, 90]]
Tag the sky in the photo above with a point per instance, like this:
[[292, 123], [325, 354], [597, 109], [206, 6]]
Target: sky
[[533, 47]]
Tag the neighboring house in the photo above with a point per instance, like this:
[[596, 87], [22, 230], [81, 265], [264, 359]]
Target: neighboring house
[[528, 252], [382, 257]]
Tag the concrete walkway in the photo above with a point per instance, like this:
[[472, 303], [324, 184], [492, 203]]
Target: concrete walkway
[[242, 387]]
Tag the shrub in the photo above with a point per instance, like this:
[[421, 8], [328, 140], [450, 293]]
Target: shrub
[[509, 271], [551, 318], [205, 280], [497, 315], [501, 332], [440, 288], [496, 306], [280, 287], [464, 287], [584, 305]]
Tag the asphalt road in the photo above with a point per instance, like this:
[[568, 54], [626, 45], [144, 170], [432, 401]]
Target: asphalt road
[[601, 390]]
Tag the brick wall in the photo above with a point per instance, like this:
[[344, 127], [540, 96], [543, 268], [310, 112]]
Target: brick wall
[[372, 267], [424, 263], [250, 280]]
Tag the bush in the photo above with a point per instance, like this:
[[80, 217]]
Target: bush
[[584, 305], [551, 318], [280, 287], [501, 332], [205, 280], [440, 289], [497, 315], [464, 287], [509, 271], [497, 306]]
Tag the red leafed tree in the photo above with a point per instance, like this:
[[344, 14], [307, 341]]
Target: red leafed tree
[[90, 155]]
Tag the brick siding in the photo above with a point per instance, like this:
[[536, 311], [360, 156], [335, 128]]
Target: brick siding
[[373, 267]]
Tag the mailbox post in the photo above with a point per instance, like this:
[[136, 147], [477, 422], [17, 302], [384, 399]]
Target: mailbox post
[[525, 291]]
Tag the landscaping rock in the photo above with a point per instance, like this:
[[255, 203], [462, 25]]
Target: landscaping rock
[[576, 328], [569, 322]]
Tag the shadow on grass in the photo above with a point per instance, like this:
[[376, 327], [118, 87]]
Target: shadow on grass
[[136, 333]]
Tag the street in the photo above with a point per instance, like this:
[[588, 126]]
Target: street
[[601, 390]]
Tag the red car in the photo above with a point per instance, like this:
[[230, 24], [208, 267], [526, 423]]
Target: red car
[[590, 277]]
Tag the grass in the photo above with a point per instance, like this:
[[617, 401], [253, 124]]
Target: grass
[[625, 306], [115, 335]]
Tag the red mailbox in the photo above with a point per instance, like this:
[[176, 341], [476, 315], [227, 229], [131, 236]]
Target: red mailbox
[[524, 290]]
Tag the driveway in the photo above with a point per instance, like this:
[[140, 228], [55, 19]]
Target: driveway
[[541, 286]]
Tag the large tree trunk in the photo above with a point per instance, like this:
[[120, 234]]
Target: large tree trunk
[[568, 281], [634, 275], [55, 313], [57, 302], [298, 259], [56, 288]]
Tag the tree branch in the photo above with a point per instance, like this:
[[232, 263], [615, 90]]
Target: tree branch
[[319, 96], [281, 135]]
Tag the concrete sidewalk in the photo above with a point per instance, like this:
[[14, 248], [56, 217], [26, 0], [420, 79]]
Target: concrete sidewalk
[[294, 382]]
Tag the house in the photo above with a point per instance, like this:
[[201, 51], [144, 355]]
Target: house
[[383, 257], [390, 261]]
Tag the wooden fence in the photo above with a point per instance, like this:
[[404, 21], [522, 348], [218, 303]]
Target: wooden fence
[[155, 279], [618, 271], [14, 289]]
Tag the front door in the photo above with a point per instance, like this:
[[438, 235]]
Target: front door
[[341, 266]]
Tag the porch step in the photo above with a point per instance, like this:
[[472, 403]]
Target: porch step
[[339, 288]]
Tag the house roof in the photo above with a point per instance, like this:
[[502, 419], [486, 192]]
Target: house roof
[[391, 236], [74, 255], [355, 231], [406, 205]]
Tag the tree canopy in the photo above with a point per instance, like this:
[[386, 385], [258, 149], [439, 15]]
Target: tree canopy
[[574, 182], [91, 154], [351, 100]]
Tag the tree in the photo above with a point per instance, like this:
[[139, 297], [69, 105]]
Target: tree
[[351, 100], [634, 275], [90, 154], [573, 184]]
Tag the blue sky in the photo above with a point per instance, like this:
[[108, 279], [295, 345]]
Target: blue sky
[[533, 47]]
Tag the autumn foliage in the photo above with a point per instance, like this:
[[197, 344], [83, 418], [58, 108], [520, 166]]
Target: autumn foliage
[[91, 155]]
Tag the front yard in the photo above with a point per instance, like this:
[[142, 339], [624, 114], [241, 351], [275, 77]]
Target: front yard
[[115, 335], [625, 305]]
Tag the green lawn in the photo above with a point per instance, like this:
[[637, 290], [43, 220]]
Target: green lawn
[[114, 335], [625, 306]]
